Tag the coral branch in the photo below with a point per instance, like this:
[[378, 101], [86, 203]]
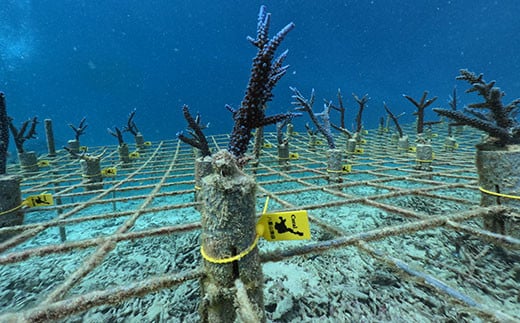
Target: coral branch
[[118, 134], [80, 129], [19, 134], [453, 99], [499, 121], [130, 124], [394, 119], [341, 110], [306, 105], [421, 106], [198, 139], [362, 104], [4, 134], [265, 73]]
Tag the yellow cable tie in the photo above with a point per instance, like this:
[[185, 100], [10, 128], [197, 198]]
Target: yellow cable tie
[[197, 188], [13, 209], [230, 259], [514, 197]]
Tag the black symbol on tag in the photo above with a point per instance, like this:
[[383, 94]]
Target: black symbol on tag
[[281, 227], [39, 200]]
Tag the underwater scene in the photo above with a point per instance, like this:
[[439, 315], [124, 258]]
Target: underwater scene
[[259, 161]]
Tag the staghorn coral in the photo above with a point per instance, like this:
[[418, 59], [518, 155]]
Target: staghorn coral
[[80, 129], [362, 102], [341, 110], [265, 73], [118, 134], [198, 139], [421, 106], [130, 124], [498, 120], [306, 105], [394, 119], [20, 135], [4, 134]]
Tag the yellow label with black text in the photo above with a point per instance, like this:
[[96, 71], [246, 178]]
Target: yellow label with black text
[[134, 155], [109, 172], [43, 199], [347, 168], [359, 151], [294, 156], [287, 225], [83, 148], [268, 145], [147, 143], [44, 163], [412, 149]]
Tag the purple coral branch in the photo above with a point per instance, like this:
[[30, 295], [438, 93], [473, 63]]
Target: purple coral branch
[[265, 73]]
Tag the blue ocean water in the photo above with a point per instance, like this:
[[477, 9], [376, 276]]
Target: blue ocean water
[[101, 59]]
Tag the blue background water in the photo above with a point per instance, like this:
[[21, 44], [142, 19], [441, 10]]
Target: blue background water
[[101, 59]]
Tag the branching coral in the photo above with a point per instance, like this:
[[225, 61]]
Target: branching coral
[[265, 73], [4, 134], [198, 139], [306, 105], [80, 129], [118, 134], [130, 124], [394, 119], [421, 106], [498, 120], [362, 102], [341, 110], [20, 135]]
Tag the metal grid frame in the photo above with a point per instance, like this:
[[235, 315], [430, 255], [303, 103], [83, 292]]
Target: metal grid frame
[[136, 206]]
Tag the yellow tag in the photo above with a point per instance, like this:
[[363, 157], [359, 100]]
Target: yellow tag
[[433, 155], [83, 148], [346, 168], [456, 146], [412, 149], [434, 135], [134, 155], [43, 199], [291, 225], [147, 143], [359, 151], [109, 172], [268, 145], [295, 133], [44, 163], [294, 156], [319, 142], [363, 141]]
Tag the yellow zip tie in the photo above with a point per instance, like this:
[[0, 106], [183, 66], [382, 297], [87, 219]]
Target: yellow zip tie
[[424, 160], [514, 197], [13, 209], [335, 171], [265, 205], [230, 259], [197, 188]]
